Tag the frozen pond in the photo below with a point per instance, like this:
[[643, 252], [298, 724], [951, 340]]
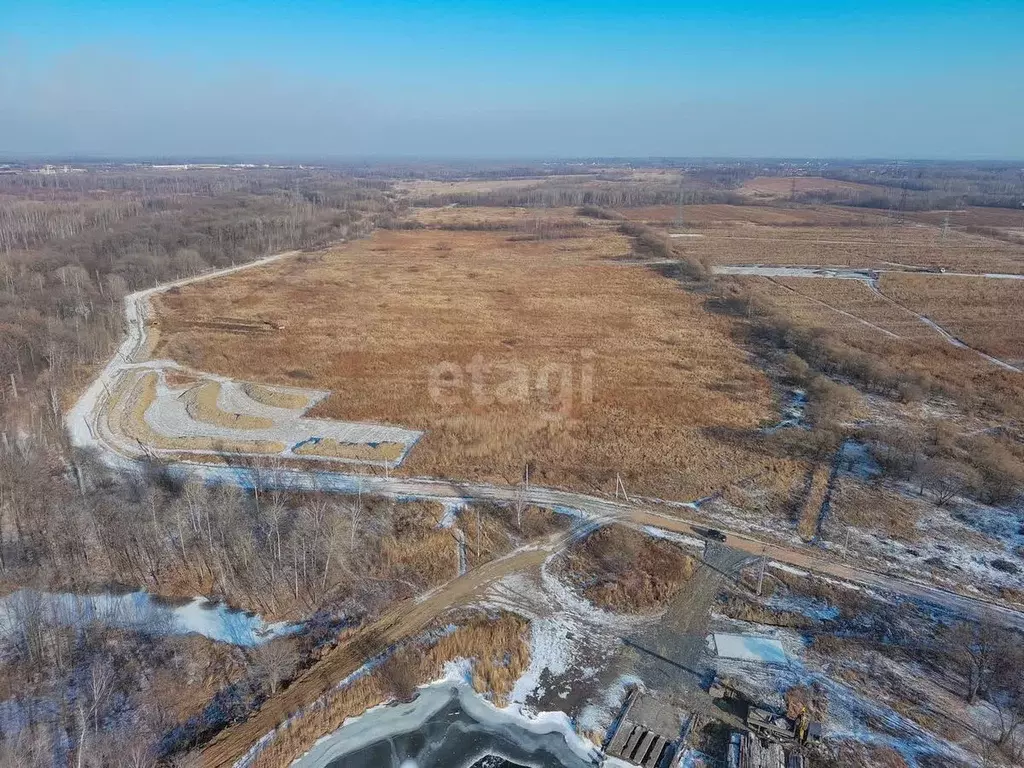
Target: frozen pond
[[138, 611], [448, 726]]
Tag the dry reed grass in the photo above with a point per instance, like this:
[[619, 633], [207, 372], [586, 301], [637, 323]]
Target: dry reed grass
[[510, 218], [180, 379], [774, 187], [744, 219], [624, 570], [984, 313], [201, 405], [926, 364], [875, 508], [666, 373], [852, 246], [828, 235], [807, 519], [856, 298], [746, 610]]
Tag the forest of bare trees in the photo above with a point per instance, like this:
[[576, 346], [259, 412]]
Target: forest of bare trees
[[71, 247]]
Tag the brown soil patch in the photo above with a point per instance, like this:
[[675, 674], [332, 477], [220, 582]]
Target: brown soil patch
[[624, 570], [665, 372]]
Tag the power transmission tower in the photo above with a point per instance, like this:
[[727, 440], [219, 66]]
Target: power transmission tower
[[679, 208], [901, 209]]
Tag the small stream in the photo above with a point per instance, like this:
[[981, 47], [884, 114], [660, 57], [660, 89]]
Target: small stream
[[448, 726], [138, 611]]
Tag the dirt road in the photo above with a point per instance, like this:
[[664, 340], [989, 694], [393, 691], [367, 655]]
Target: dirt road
[[405, 620]]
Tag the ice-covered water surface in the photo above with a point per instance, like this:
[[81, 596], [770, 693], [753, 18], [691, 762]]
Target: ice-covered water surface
[[137, 611], [448, 726]]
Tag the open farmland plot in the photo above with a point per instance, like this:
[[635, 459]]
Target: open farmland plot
[[916, 246], [830, 235], [648, 374], [874, 337], [856, 301], [721, 216], [981, 312], [775, 187]]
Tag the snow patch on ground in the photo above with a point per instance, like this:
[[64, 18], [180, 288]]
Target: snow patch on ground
[[139, 611], [679, 538], [855, 458], [452, 508], [550, 649]]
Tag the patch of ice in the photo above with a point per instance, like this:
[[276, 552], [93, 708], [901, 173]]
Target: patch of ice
[[855, 457], [459, 670], [380, 722], [748, 648]]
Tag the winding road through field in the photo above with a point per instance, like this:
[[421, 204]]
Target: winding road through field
[[85, 424]]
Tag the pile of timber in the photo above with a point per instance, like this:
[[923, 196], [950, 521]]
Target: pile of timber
[[746, 751]]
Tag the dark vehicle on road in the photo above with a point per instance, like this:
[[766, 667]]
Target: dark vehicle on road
[[710, 533]]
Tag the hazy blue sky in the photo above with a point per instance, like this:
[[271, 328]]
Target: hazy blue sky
[[911, 79]]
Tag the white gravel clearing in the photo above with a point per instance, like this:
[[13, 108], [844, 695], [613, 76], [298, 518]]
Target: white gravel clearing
[[89, 426]]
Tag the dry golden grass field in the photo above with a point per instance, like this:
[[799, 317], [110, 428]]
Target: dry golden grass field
[[370, 321], [1000, 218], [829, 235], [984, 313], [721, 216], [855, 304], [424, 189], [516, 219], [820, 304], [773, 187]]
